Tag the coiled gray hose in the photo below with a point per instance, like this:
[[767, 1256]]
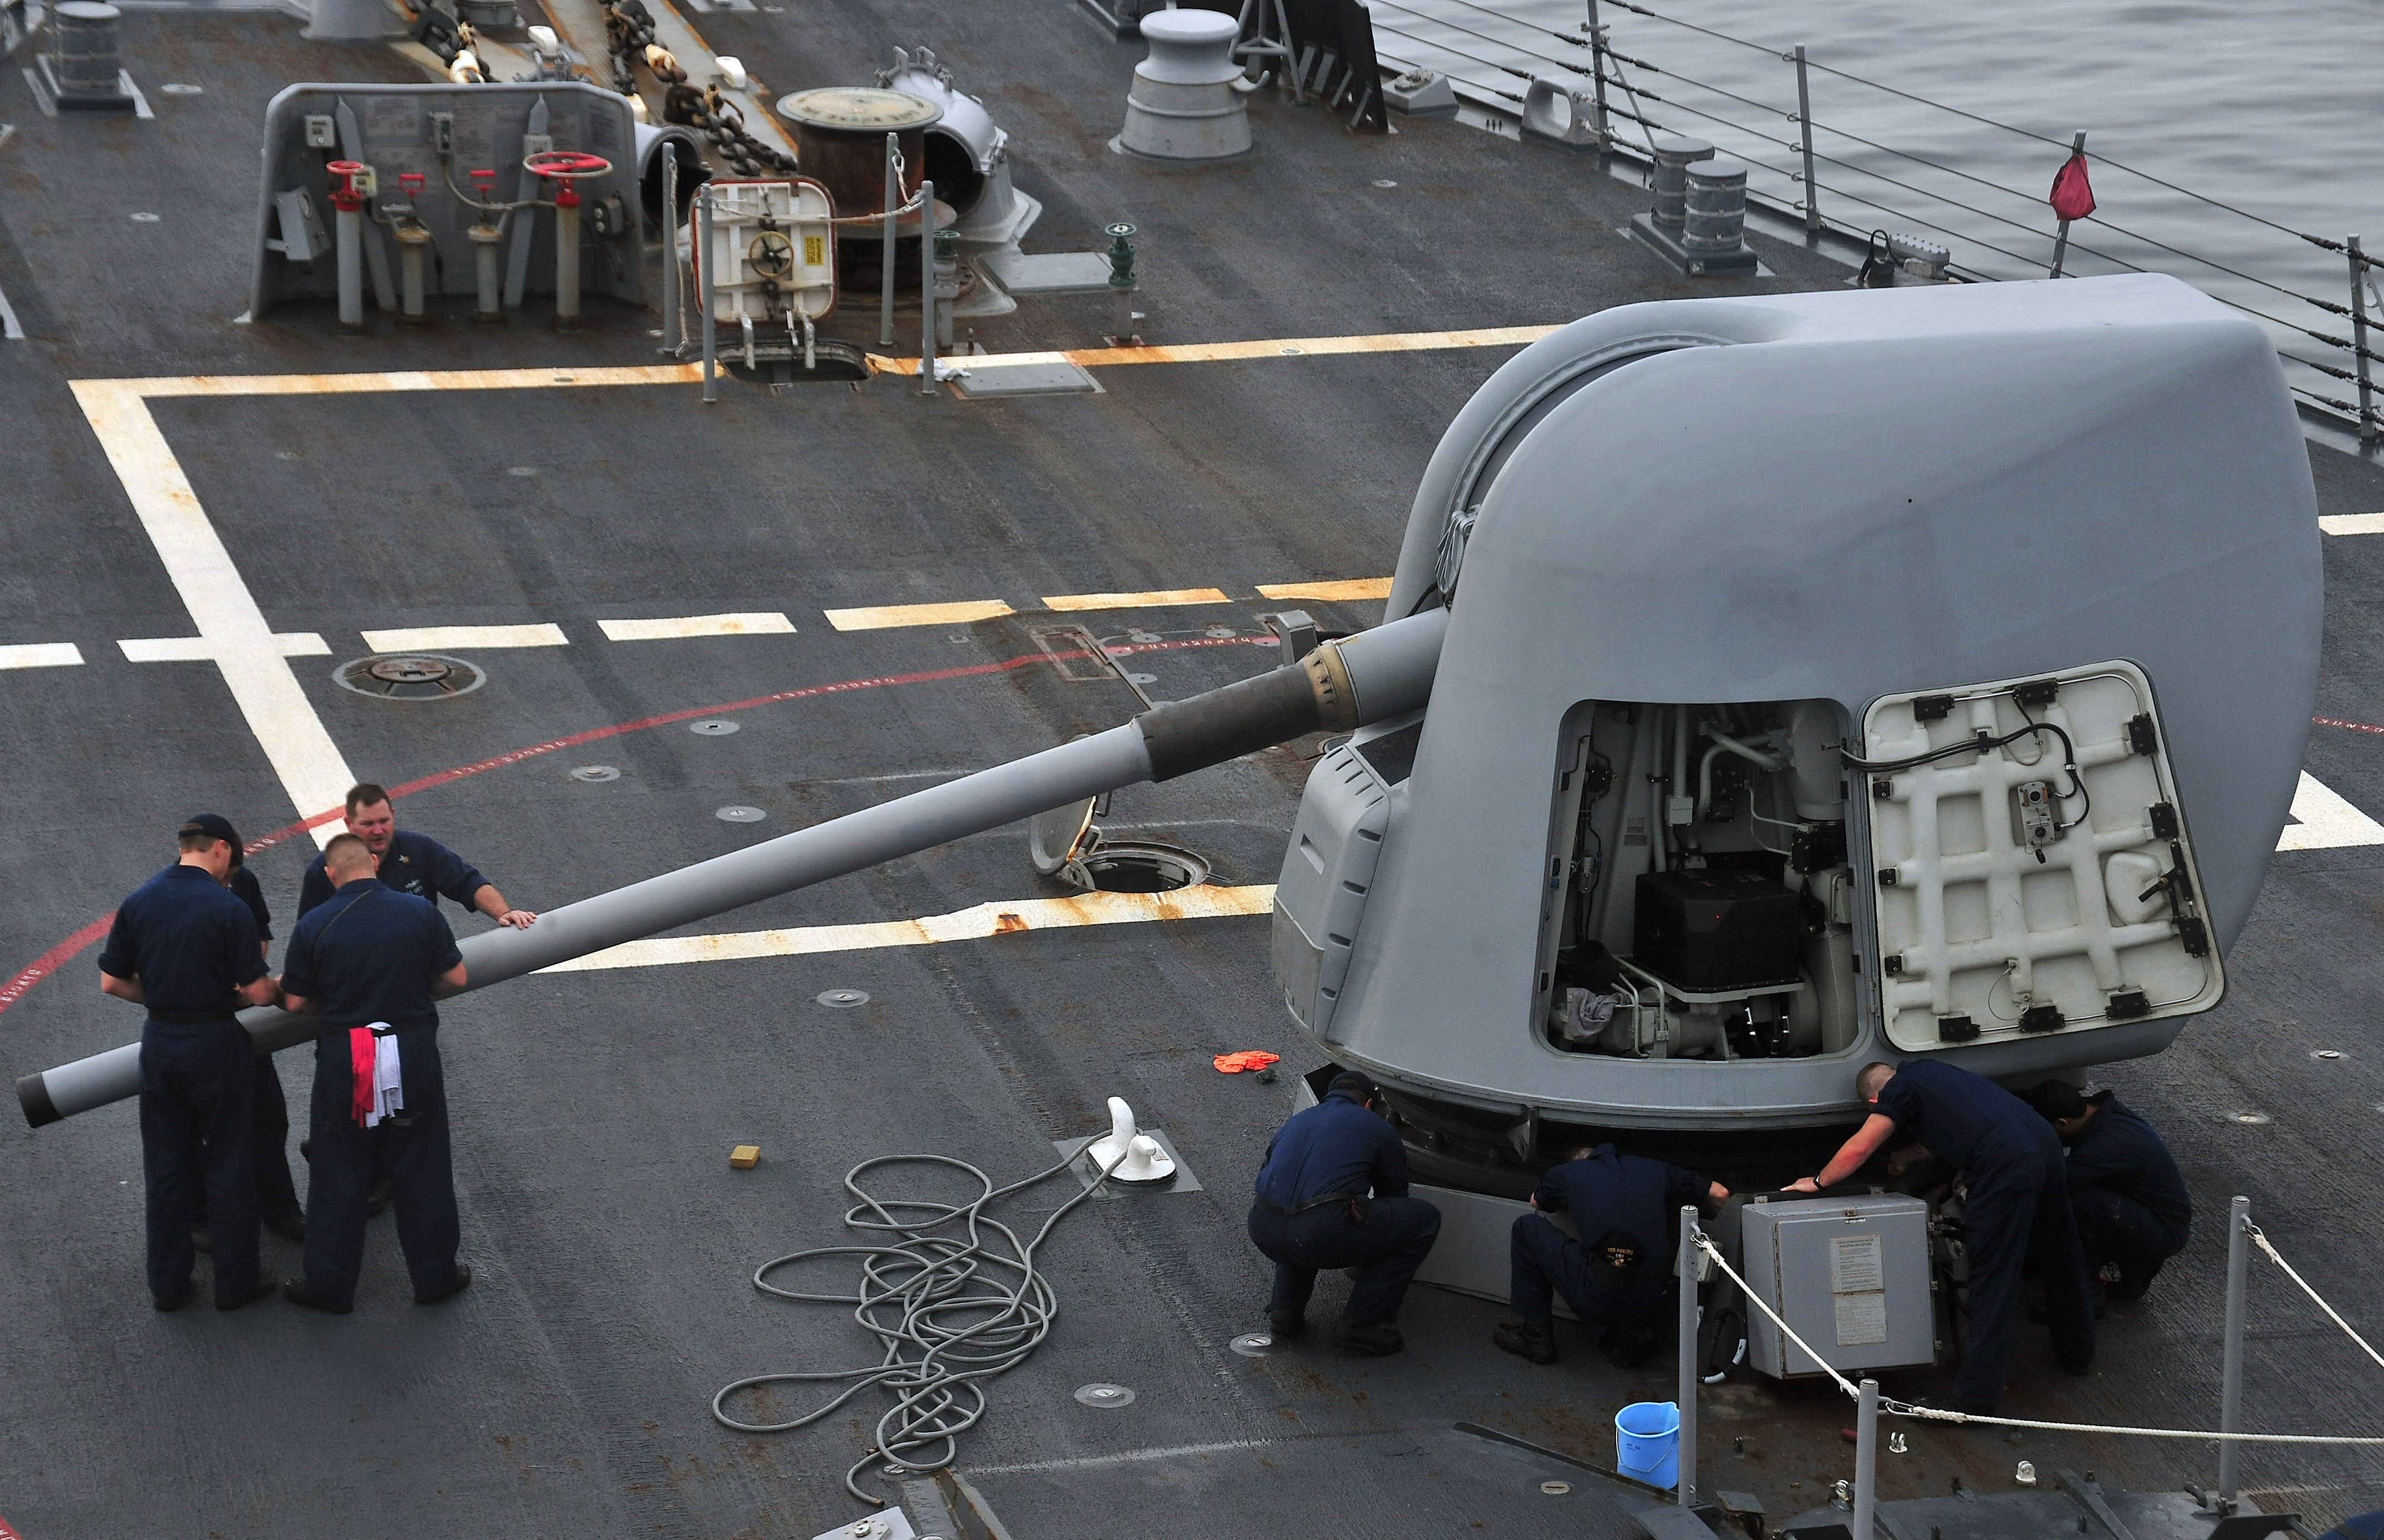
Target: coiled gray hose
[[952, 1310]]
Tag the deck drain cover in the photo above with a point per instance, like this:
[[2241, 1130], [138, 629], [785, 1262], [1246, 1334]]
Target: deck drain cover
[[2249, 1119], [594, 773], [738, 813], [1142, 679], [842, 999], [1101, 1393], [713, 727], [2326, 1053], [410, 676], [1556, 1488], [1254, 1345]]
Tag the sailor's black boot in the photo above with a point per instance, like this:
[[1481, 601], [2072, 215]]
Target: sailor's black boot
[[1535, 1340]]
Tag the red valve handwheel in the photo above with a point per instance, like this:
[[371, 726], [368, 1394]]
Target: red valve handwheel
[[566, 166], [343, 184]]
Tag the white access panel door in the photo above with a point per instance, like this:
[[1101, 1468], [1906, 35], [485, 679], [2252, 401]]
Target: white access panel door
[[1849, 1274], [2017, 896]]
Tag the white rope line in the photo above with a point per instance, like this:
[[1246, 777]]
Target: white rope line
[[1942, 1414], [2261, 1241], [1707, 1245]]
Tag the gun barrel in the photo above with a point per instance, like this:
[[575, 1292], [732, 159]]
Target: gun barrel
[[1371, 676]]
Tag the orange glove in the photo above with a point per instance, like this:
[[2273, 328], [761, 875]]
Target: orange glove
[[1249, 1059]]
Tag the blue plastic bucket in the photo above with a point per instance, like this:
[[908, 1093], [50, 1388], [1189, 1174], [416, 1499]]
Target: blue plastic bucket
[[1648, 1443]]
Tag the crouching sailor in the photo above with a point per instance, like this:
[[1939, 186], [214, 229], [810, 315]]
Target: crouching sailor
[[1615, 1269], [370, 961], [1313, 1212]]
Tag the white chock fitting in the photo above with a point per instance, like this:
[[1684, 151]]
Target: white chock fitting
[[1143, 1160]]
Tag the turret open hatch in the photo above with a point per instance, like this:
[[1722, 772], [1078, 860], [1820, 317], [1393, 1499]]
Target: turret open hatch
[[2033, 867]]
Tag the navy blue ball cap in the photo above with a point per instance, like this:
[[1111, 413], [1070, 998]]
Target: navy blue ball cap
[[215, 826], [1352, 1082]]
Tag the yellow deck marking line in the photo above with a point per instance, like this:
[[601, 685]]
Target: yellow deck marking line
[[880, 617], [403, 381], [293, 644], [752, 623], [432, 639], [1224, 353], [2352, 524], [1348, 588], [238, 640], [41, 654], [2326, 822], [967, 925], [1156, 598]]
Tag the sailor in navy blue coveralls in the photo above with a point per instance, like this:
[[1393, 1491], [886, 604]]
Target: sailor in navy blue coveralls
[[185, 947], [1312, 1212], [2015, 1211], [2133, 1212], [1618, 1275], [407, 863], [373, 955]]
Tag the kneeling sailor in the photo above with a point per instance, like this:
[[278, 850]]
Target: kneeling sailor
[[1617, 1274], [1313, 1212]]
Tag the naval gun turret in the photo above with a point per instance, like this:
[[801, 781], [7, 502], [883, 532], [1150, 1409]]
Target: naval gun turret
[[1829, 677], [1767, 685]]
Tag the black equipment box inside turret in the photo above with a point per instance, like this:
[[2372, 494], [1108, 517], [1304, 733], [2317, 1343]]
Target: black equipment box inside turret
[[1712, 931]]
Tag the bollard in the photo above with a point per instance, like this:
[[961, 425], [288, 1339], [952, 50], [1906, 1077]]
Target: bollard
[[84, 68], [673, 323], [2230, 1392], [2359, 337], [1688, 1345], [1670, 178], [349, 233], [893, 199], [1866, 1457], [1597, 76], [926, 287], [1713, 216], [704, 255], [2061, 237], [1123, 281], [1805, 126]]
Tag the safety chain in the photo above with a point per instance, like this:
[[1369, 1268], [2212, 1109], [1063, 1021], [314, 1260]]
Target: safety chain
[[629, 38], [1944, 1414]]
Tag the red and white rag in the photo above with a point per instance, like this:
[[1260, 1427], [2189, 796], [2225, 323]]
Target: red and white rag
[[375, 1074]]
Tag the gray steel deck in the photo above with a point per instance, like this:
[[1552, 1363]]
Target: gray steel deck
[[567, 1393]]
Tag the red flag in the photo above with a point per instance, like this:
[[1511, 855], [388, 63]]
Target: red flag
[[2071, 197]]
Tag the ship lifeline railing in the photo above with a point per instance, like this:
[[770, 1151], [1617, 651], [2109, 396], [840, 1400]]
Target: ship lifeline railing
[[1494, 51], [2242, 1236]]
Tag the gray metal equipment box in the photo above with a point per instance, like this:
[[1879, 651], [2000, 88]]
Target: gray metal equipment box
[[1849, 1274]]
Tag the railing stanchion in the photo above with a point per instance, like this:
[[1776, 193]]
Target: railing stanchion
[[1804, 132], [1865, 1460], [1688, 1387], [706, 293], [2061, 240], [2359, 338], [1597, 80], [2231, 1395]]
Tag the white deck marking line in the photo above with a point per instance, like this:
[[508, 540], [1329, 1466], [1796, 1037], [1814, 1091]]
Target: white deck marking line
[[2352, 524], [967, 925], [41, 654], [435, 639], [1156, 598], [882, 618], [2326, 822], [293, 644], [238, 641], [1343, 588], [750, 623]]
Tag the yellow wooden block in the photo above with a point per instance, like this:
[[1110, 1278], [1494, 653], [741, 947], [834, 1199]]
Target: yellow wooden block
[[745, 1157]]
